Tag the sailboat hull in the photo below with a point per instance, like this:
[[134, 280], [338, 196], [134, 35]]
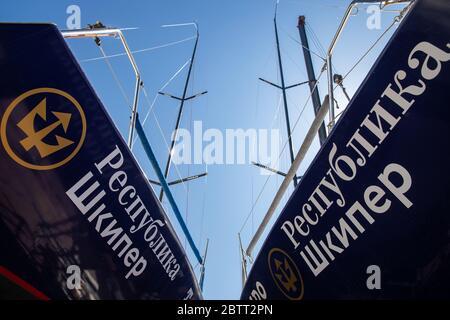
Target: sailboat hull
[[78, 218], [370, 218]]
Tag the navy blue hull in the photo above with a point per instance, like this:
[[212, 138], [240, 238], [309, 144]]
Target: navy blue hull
[[72, 197], [370, 219]]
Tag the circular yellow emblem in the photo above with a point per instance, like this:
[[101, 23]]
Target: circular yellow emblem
[[285, 274], [43, 128]]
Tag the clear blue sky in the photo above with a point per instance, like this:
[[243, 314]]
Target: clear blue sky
[[236, 47]]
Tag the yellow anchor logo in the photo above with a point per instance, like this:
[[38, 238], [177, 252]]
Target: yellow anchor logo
[[285, 274], [35, 138]]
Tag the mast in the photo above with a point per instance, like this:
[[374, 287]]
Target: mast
[[182, 100], [311, 75], [283, 89]]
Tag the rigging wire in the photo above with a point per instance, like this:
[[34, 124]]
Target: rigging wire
[[277, 112], [258, 84], [266, 63], [291, 101], [168, 148], [285, 160], [282, 150], [190, 130], [127, 101], [304, 47], [370, 49], [155, 98], [339, 114], [140, 51], [253, 225], [394, 22], [205, 185], [203, 206], [315, 39], [196, 266], [285, 52], [318, 44], [192, 88], [116, 78], [161, 89]]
